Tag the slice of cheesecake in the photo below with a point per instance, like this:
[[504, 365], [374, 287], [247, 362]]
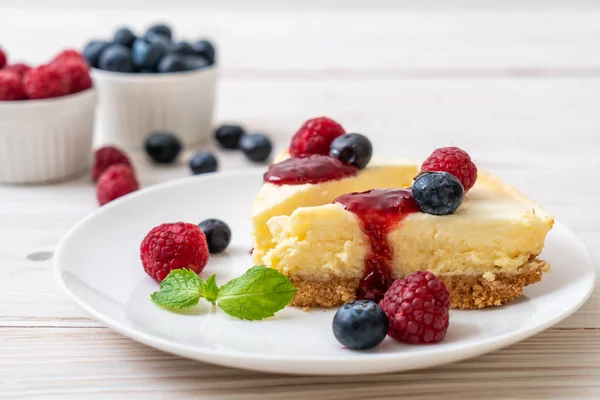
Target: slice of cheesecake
[[485, 252], [278, 198]]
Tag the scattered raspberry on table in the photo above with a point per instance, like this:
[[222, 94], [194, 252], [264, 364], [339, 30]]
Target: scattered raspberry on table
[[106, 156], [116, 181], [418, 308], [173, 246]]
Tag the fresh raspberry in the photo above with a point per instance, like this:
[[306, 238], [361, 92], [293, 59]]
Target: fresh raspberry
[[417, 307], [11, 87], [44, 82], [118, 180], [19, 68], [2, 59], [315, 137], [454, 161], [173, 246], [78, 74], [67, 55], [105, 157]]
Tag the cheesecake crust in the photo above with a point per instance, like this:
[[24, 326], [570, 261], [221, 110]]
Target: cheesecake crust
[[467, 291]]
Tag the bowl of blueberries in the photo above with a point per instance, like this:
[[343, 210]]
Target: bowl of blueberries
[[151, 82]]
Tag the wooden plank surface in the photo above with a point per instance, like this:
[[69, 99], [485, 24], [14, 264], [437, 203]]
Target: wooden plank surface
[[519, 89]]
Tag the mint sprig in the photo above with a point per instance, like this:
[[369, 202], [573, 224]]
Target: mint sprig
[[258, 294]]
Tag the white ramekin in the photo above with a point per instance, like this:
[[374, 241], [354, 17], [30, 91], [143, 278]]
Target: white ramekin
[[131, 106], [46, 140]]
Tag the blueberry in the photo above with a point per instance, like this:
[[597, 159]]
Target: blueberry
[[352, 148], [183, 48], [147, 54], [161, 29], [229, 136], [158, 39], [203, 162], [171, 63], [256, 147], [163, 147], [206, 49], [195, 62], [360, 325], [218, 234], [124, 36], [116, 57], [92, 51], [438, 193]]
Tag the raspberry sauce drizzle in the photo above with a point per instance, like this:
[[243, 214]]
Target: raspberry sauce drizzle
[[379, 211], [313, 169]]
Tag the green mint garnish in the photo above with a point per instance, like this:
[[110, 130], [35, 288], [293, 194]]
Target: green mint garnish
[[257, 294]]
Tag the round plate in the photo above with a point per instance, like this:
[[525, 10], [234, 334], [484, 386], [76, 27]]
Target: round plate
[[98, 264]]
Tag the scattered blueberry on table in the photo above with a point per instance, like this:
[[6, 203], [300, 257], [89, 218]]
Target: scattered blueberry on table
[[228, 136], [256, 146], [154, 51], [163, 147], [203, 162]]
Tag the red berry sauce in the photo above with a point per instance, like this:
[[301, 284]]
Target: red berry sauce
[[379, 211], [313, 169]]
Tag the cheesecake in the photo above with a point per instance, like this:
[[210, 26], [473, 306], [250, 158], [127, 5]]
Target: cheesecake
[[317, 181], [355, 246]]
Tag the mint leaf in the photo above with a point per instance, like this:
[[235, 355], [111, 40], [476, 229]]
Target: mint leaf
[[257, 294], [182, 288], [210, 290]]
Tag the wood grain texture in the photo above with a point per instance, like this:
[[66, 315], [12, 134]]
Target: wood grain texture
[[518, 88], [69, 363]]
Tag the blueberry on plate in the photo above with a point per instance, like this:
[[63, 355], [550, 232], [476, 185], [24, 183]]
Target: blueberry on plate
[[438, 193], [92, 51], [352, 148], [147, 54], [195, 62], [161, 29], [228, 136], [256, 146], [117, 58], [360, 325], [206, 49], [218, 234], [203, 162], [162, 147], [124, 36], [171, 63], [183, 48]]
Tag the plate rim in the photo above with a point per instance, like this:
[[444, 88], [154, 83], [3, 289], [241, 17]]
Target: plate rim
[[389, 362]]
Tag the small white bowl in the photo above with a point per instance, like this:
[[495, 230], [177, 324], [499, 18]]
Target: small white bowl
[[46, 140], [131, 106]]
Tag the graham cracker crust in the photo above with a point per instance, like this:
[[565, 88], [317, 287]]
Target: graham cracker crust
[[466, 291]]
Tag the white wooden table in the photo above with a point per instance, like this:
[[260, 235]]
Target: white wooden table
[[518, 88]]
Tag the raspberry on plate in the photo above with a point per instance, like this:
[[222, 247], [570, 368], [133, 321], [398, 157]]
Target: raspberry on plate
[[11, 87], [45, 81], [77, 72], [19, 68], [116, 181], [172, 246], [2, 58], [455, 161], [417, 307], [315, 137], [105, 157], [67, 55]]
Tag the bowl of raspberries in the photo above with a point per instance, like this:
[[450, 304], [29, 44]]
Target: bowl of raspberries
[[149, 81], [46, 118]]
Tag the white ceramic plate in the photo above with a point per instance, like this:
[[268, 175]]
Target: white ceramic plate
[[98, 264]]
